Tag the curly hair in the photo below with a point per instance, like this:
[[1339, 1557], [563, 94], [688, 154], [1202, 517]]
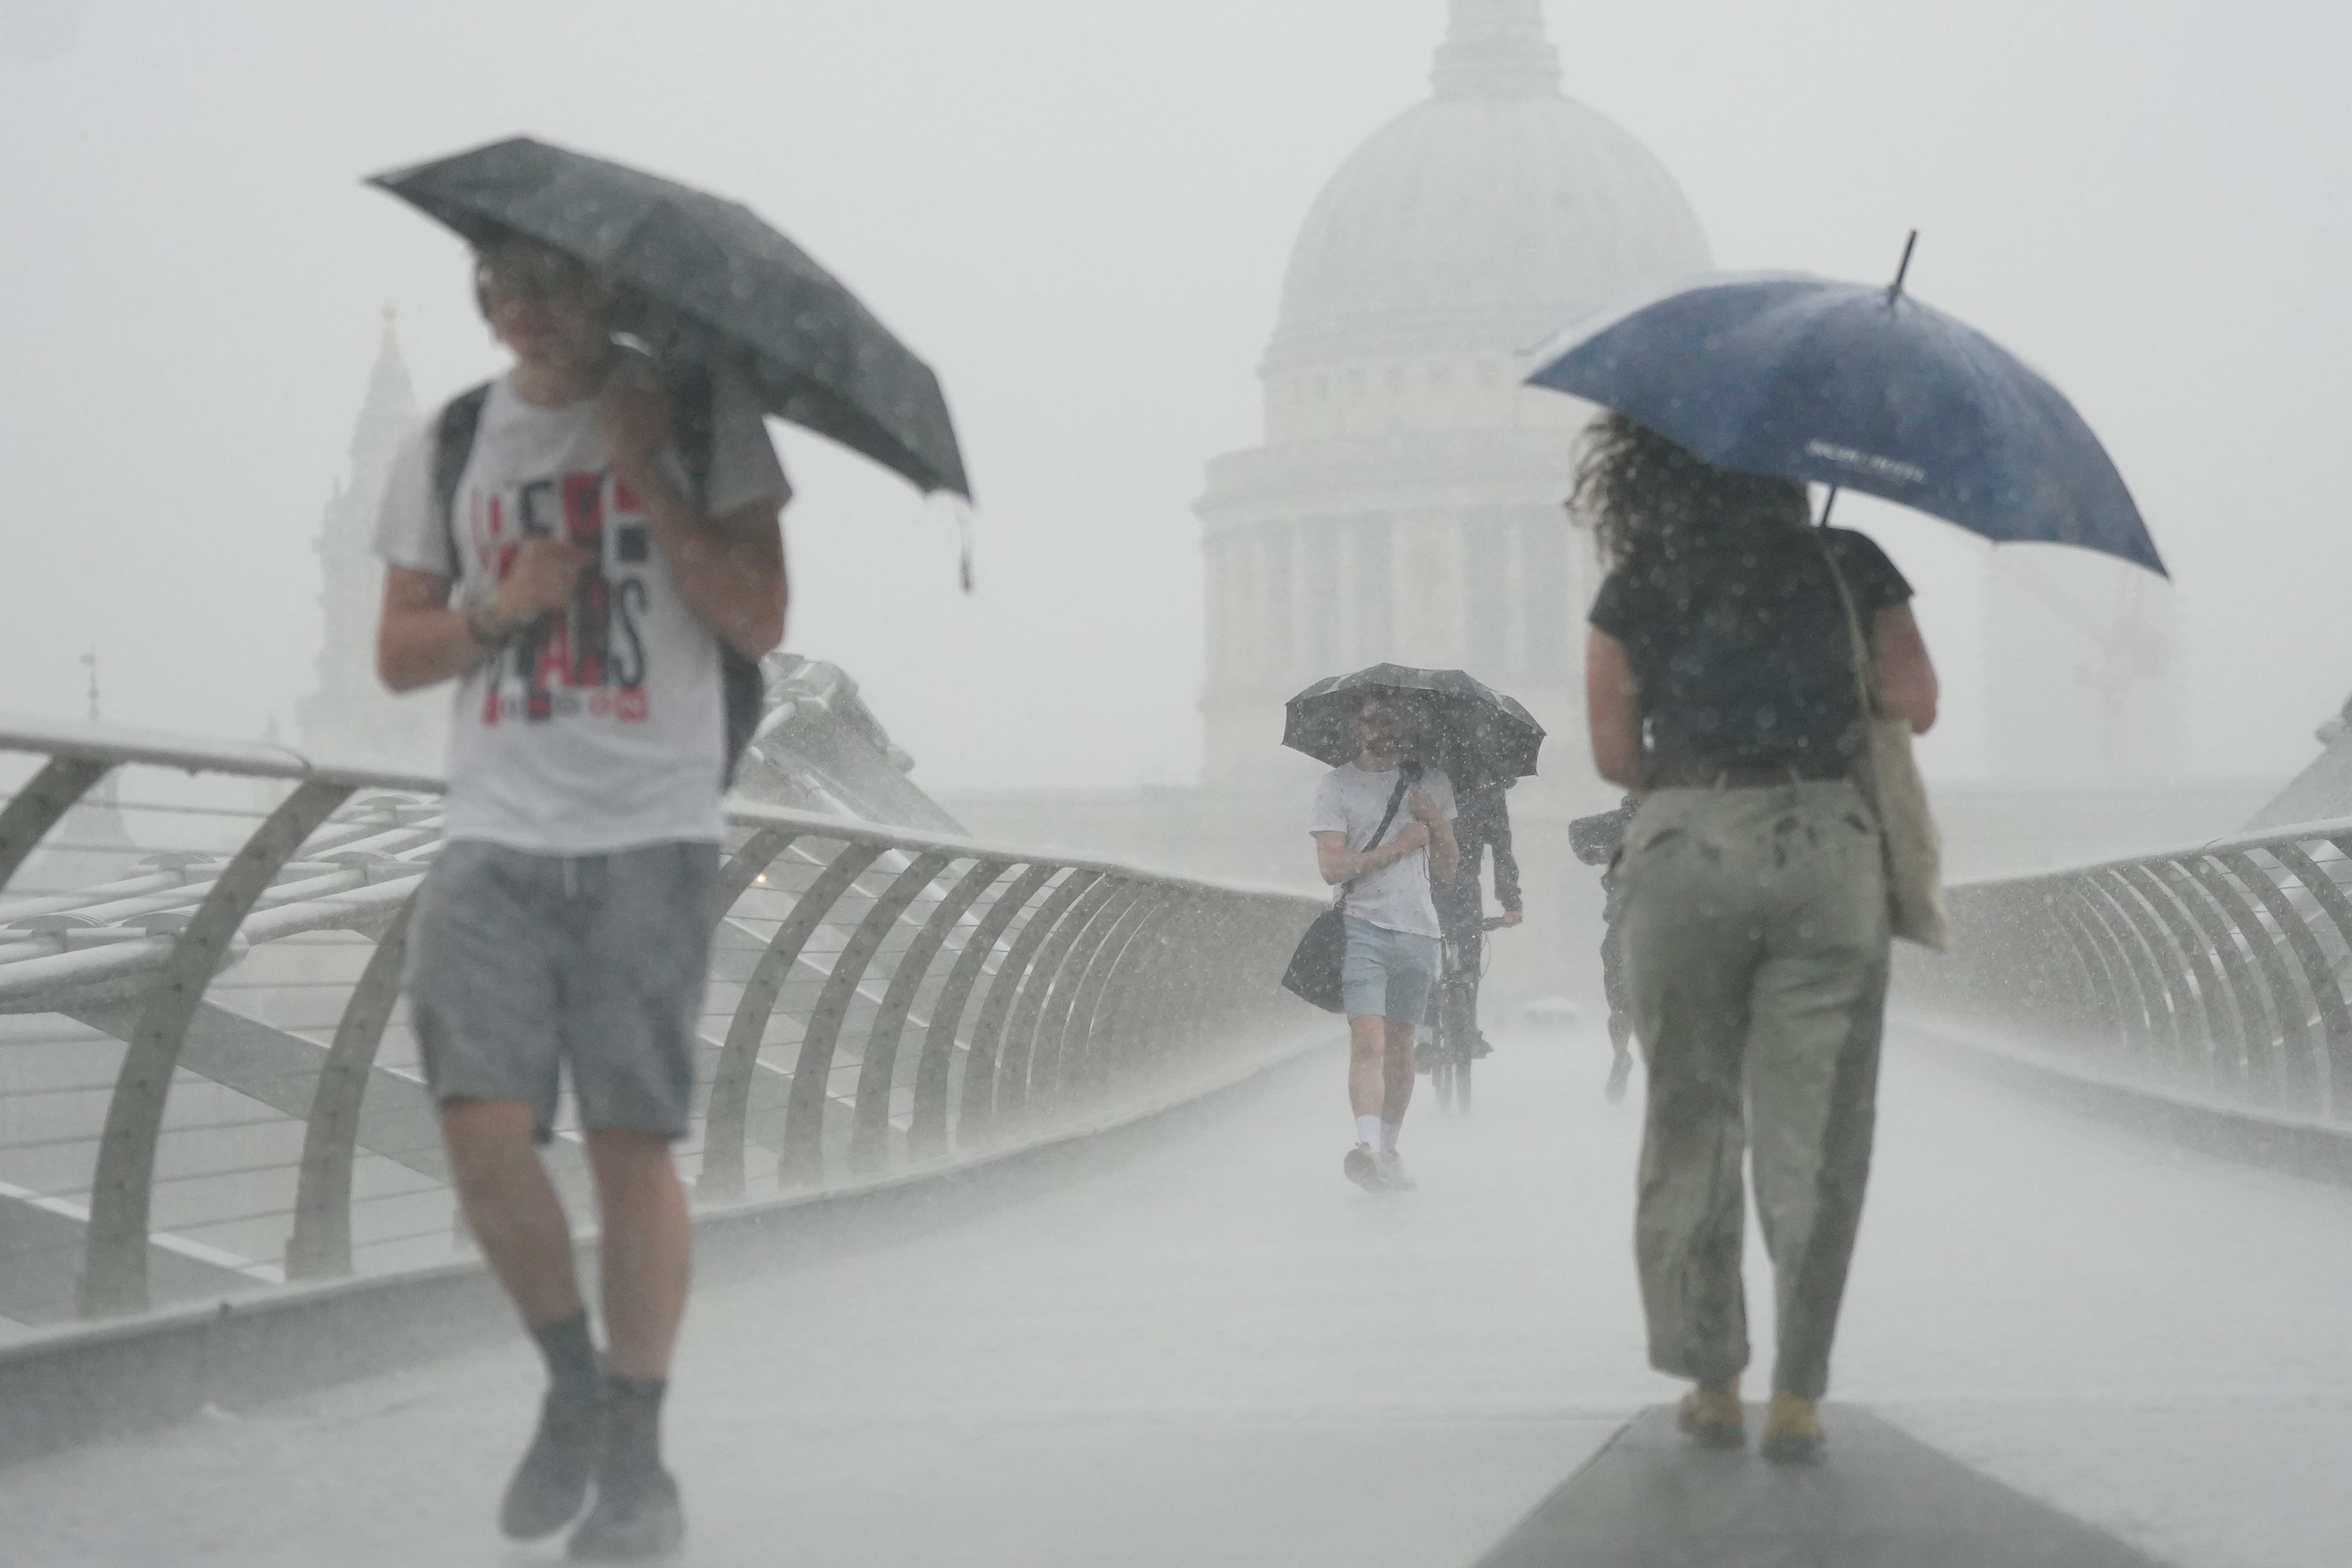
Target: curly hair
[[1659, 510]]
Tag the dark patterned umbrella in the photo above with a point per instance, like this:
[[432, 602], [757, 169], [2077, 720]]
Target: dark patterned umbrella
[[1472, 731], [817, 356]]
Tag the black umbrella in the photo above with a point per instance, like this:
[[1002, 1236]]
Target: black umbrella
[[1464, 726], [817, 356]]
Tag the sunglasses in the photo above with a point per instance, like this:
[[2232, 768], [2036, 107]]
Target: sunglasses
[[534, 275]]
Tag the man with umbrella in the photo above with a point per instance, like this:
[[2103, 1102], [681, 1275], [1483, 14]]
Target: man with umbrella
[[1395, 738], [579, 582], [1383, 827], [591, 546]]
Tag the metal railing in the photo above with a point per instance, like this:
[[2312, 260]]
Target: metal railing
[[2216, 971], [208, 1084]]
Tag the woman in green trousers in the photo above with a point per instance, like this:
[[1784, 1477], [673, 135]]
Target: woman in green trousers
[[1721, 687]]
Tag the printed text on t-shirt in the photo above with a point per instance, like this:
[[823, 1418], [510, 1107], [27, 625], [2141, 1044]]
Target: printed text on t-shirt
[[591, 657]]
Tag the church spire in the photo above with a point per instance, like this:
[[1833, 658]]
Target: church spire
[[1497, 49], [390, 411]]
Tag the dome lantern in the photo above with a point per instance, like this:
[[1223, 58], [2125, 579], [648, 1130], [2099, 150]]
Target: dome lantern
[[1497, 49], [1480, 220]]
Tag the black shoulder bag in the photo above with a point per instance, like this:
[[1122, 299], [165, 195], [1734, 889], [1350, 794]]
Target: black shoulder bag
[[1314, 972]]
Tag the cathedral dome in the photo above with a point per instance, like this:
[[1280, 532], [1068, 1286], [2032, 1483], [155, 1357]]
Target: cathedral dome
[[1404, 503], [1483, 219]]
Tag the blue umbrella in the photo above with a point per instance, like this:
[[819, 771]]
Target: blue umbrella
[[1862, 386]]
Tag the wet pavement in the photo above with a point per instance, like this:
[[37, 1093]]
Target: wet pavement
[[1209, 1348], [1652, 1499]]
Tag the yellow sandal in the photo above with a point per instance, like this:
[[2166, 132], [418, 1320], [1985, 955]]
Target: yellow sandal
[[1792, 1431], [1711, 1414]]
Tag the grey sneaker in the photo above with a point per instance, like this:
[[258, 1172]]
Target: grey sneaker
[[550, 1486], [1363, 1167], [1392, 1173], [636, 1516], [634, 1521]]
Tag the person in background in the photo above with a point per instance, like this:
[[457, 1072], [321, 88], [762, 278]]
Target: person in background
[[1720, 689], [1483, 823], [564, 568], [1382, 829]]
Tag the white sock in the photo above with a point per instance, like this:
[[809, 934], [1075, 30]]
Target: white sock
[[1367, 1130], [1389, 1132]]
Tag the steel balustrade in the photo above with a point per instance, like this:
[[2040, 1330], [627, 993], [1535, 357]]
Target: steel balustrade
[[114, 1278], [2218, 970], [321, 1245], [893, 1001]]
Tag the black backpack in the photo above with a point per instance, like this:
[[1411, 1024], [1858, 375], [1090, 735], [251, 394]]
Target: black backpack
[[690, 396]]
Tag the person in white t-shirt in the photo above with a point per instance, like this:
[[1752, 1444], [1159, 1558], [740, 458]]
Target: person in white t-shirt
[[1393, 936], [577, 584]]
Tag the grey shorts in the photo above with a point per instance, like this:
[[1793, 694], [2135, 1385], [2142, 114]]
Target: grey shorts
[[1387, 973], [522, 966]]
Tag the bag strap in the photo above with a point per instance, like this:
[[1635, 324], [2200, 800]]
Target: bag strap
[[1866, 673], [1408, 773]]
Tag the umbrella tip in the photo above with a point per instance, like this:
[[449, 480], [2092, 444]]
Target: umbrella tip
[[957, 508], [1902, 269]]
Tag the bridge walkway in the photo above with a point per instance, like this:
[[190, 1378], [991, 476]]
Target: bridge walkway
[[1206, 1349]]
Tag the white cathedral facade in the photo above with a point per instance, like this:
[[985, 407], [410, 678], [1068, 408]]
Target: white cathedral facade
[[1405, 503]]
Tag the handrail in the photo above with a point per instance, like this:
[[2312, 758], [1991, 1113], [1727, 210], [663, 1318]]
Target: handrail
[[882, 1000], [115, 746], [2257, 838], [2216, 971]]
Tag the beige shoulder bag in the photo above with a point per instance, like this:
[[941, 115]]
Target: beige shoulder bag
[[1890, 778]]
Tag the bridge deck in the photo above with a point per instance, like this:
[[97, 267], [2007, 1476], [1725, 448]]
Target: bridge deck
[[1209, 1350]]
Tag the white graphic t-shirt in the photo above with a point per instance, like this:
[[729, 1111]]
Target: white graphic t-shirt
[[602, 728], [1351, 800]]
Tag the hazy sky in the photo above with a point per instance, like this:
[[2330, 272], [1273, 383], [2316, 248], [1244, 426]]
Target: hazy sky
[[1079, 211]]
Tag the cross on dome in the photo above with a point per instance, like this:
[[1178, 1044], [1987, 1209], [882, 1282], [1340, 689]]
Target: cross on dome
[[1497, 49]]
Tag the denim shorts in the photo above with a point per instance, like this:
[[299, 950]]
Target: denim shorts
[[522, 967], [1387, 973]]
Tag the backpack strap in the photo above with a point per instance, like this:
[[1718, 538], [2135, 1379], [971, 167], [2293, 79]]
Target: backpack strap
[[453, 448], [692, 394]]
